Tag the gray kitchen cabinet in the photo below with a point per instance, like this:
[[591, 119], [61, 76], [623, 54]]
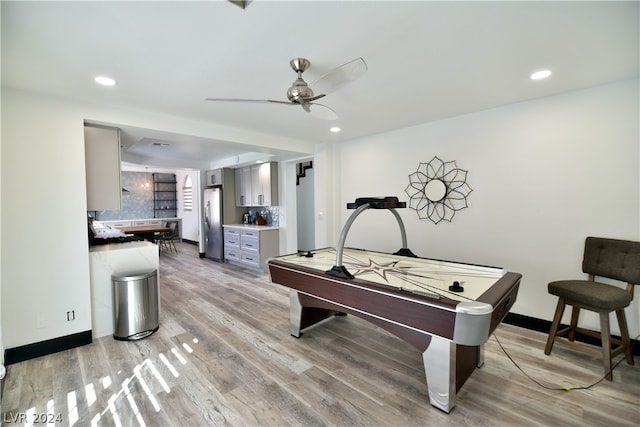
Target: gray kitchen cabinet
[[251, 246], [232, 244], [102, 168], [257, 185]]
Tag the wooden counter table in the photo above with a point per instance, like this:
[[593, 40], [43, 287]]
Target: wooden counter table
[[145, 231]]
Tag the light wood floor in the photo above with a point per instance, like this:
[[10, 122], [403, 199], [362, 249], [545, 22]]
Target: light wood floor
[[224, 356]]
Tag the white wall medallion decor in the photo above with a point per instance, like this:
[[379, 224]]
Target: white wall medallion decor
[[437, 190]]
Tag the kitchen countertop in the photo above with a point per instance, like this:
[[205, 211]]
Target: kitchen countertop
[[252, 226], [118, 246]]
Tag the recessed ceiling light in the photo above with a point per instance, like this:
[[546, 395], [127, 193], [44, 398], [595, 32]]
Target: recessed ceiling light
[[539, 75], [105, 81], [259, 161], [335, 129]]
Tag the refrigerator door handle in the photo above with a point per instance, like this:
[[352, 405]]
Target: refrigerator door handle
[[207, 214]]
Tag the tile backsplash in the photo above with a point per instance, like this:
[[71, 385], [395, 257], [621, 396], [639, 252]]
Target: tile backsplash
[[269, 213], [137, 203]]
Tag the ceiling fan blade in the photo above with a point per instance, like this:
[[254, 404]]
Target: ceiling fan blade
[[320, 111], [256, 101], [311, 99], [339, 76]]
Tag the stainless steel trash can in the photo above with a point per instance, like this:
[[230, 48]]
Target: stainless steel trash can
[[136, 301]]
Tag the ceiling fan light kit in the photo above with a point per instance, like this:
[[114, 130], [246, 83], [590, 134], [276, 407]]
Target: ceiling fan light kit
[[300, 93]]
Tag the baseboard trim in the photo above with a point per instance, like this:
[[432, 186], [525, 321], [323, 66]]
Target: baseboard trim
[[43, 348], [540, 325], [191, 242]]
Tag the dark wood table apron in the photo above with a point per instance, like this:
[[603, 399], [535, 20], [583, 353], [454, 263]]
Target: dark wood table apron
[[147, 232]]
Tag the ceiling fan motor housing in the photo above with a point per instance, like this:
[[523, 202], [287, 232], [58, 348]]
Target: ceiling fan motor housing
[[299, 91]]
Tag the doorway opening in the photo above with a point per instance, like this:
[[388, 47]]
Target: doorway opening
[[305, 206]]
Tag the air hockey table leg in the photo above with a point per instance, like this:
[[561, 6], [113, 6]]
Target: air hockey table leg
[[295, 314], [440, 368], [302, 316]]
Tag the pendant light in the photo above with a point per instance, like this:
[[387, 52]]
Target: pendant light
[[146, 178]]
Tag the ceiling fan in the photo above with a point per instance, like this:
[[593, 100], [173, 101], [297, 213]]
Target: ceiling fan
[[301, 94]]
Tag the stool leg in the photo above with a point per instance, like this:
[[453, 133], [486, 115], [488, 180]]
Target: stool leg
[[624, 335], [606, 344], [575, 315], [555, 325]]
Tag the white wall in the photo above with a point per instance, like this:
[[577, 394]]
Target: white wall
[[190, 219], [327, 203], [545, 174], [46, 272], [2, 368]]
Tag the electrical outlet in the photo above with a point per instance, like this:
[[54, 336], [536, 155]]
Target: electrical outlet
[[40, 322], [71, 315]]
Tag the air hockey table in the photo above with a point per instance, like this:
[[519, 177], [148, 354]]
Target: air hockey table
[[445, 309]]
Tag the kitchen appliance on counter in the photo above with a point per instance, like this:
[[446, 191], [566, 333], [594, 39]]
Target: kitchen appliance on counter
[[219, 206]]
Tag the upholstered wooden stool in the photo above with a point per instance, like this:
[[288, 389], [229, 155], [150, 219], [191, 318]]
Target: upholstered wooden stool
[[613, 259]]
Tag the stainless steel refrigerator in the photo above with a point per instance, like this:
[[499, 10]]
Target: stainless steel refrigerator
[[213, 234], [219, 205]]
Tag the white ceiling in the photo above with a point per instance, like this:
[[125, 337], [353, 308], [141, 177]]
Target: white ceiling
[[427, 60]]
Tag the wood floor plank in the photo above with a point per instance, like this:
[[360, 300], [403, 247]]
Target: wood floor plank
[[224, 356]]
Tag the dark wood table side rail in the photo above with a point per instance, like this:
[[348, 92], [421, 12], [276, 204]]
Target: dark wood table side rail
[[502, 296], [393, 305], [147, 232], [144, 229], [315, 310]]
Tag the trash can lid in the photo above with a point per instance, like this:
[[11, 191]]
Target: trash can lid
[[135, 275]]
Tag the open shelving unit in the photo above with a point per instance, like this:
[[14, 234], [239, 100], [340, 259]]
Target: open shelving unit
[[165, 201]]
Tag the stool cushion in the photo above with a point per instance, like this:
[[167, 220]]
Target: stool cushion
[[594, 294]]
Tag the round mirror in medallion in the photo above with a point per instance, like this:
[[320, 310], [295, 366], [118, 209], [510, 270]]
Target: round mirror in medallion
[[435, 190]]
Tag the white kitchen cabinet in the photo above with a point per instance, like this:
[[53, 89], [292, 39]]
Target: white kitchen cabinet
[[251, 246], [243, 187], [264, 182], [116, 224], [102, 168], [213, 177], [257, 185], [136, 222]]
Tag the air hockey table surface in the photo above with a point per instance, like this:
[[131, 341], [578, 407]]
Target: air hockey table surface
[[414, 275]]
